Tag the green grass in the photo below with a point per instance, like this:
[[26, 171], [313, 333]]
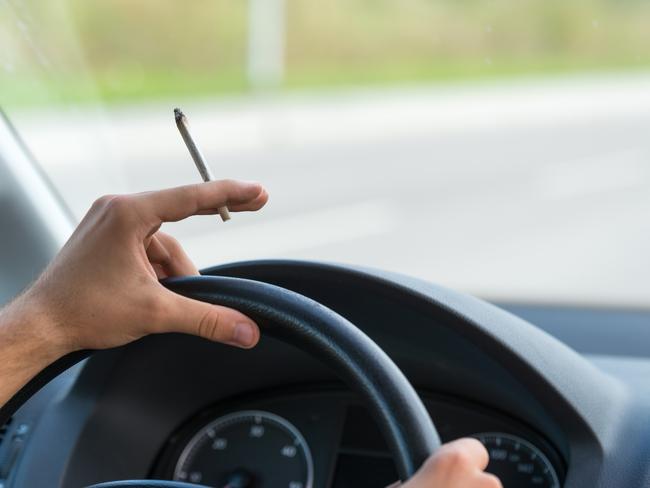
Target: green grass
[[128, 87], [136, 87], [120, 51], [450, 72]]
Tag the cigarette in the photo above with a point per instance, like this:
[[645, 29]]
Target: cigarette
[[197, 156]]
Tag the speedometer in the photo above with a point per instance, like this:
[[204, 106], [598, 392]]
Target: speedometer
[[249, 448], [517, 462]]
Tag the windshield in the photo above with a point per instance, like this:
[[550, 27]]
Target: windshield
[[496, 147]]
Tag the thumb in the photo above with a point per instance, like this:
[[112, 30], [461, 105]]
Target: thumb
[[213, 322]]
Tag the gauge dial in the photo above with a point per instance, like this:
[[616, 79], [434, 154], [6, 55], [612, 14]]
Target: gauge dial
[[247, 449], [518, 463]]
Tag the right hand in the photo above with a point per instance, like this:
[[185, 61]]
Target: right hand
[[459, 464], [102, 289]]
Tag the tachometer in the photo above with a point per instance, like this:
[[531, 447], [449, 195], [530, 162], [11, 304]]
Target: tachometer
[[518, 463], [244, 449]]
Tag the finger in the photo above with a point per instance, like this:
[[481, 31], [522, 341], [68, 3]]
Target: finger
[[463, 455], [165, 251], [175, 204], [470, 449], [458, 463], [157, 254], [488, 480], [256, 204], [159, 271], [213, 322]]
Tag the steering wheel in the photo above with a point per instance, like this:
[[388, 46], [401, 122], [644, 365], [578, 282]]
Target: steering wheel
[[312, 327]]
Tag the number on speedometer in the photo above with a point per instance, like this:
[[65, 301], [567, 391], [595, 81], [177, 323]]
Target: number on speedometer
[[518, 463], [246, 449]]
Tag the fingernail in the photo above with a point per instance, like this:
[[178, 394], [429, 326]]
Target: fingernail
[[244, 335]]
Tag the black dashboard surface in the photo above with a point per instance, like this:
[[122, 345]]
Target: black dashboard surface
[[124, 413]]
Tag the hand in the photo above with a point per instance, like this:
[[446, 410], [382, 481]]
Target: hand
[[459, 464], [102, 289]]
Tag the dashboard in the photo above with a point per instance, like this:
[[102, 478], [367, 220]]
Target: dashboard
[[328, 438], [178, 407]]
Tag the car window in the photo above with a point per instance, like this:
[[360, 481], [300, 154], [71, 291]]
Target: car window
[[492, 146]]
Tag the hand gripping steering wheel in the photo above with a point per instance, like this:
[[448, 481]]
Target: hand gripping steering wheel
[[308, 325]]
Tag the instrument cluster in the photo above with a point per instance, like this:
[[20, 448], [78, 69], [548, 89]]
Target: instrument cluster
[[327, 439]]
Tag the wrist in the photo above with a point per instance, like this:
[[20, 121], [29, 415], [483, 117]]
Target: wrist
[[29, 324], [28, 344]]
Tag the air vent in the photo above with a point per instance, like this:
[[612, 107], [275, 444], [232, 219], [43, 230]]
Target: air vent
[[4, 429], [10, 451]]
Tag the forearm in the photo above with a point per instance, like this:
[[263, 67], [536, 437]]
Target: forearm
[[28, 343]]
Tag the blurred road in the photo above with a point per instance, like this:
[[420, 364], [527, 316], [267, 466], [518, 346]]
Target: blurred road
[[526, 190]]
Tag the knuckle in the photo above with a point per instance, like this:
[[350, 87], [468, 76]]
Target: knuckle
[[102, 201], [452, 459], [189, 197], [173, 244], [210, 327], [118, 203], [121, 210], [192, 190], [226, 187], [118, 207]]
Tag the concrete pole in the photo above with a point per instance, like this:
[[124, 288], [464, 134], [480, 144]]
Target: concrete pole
[[266, 40]]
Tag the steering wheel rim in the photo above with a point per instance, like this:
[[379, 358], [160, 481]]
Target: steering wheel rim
[[310, 326]]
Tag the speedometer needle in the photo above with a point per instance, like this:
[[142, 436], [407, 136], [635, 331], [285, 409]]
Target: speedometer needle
[[240, 478]]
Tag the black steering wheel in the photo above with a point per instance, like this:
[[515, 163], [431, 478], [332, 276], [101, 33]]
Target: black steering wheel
[[312, 327]]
